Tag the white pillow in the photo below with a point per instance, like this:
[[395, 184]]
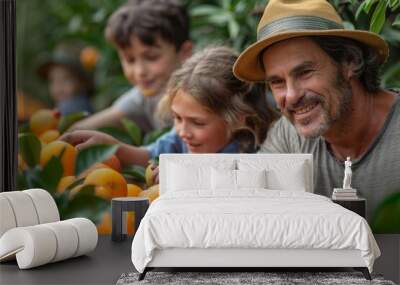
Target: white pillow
[[223, 179], [185, 177], [281, 175], [292, 178], [230, 180], [251, 178], [185, 174]]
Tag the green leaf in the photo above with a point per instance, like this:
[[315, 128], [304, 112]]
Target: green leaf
[[22, 183], [136, 171], [396, 22], [75, 183], [154, 135], [117, 133], [204, 10], [24, 127], [226, 4], [220, 19], [51, 174], [33, 177], [68, 120], [386, 217], [233, 27], [359, 10], [29, 148], [393, 3], [93, 154], [378, 17], [367, 5], [391, 77], [62, 200], [85, 204], [133, 131]]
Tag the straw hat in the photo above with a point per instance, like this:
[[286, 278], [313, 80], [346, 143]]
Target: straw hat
[[285, 19]]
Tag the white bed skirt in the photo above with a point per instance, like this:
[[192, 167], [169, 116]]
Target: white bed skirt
[[235, 257]]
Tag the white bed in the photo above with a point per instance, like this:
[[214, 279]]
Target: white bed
[[242, 210]]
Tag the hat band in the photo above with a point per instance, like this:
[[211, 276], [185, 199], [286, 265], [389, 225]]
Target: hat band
[[297, 23]]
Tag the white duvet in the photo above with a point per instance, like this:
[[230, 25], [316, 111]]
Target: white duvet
[[250, 219]]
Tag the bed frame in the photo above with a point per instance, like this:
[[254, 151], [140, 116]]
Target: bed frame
[[250, 258], [242, 259]]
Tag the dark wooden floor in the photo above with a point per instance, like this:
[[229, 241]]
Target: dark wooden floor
[[110, 259], [102, 266]]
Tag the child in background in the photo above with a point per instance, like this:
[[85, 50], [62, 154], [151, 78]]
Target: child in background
[[152, 40], [70, 82], [212, 110]]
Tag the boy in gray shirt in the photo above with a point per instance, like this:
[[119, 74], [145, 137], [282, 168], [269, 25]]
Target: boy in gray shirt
[[152, 40]]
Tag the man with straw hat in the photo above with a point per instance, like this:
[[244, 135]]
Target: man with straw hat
[[325, 81]]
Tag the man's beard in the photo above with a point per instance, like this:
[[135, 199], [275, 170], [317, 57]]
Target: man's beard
[[343, 100]]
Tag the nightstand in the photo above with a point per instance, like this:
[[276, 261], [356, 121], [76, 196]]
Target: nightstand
[[357, 205], [121, 205]]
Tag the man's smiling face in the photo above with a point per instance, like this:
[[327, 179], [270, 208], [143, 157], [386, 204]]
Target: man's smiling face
[[307, 85]]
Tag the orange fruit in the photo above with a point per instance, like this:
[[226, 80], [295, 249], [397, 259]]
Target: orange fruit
[[133, 190], [43, 120], [64, 183], [109, 183], [89, 57], [49, 136], [113, 162], [148, 174], [152, 193], [103, 192], [91, 168], [67, 159]]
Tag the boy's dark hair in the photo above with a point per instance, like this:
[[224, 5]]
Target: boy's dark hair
[[147, 20]]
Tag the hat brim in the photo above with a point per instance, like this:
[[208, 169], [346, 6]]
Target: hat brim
[[248, 68]]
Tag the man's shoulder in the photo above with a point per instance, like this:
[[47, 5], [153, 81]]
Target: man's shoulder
[[279, 137], [283, 126], [283, 137]]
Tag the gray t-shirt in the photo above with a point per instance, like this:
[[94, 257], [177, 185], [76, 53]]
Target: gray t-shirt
[[140, 109], [376, 174]]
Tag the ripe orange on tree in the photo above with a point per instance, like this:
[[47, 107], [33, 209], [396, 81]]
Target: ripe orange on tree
[[44, 120], [68, 157], [134, 190], [109, 183], [113, 162]]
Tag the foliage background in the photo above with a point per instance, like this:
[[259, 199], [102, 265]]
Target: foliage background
[[41, 24]]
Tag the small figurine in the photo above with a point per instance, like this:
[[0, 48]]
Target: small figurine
[[347, 174]]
